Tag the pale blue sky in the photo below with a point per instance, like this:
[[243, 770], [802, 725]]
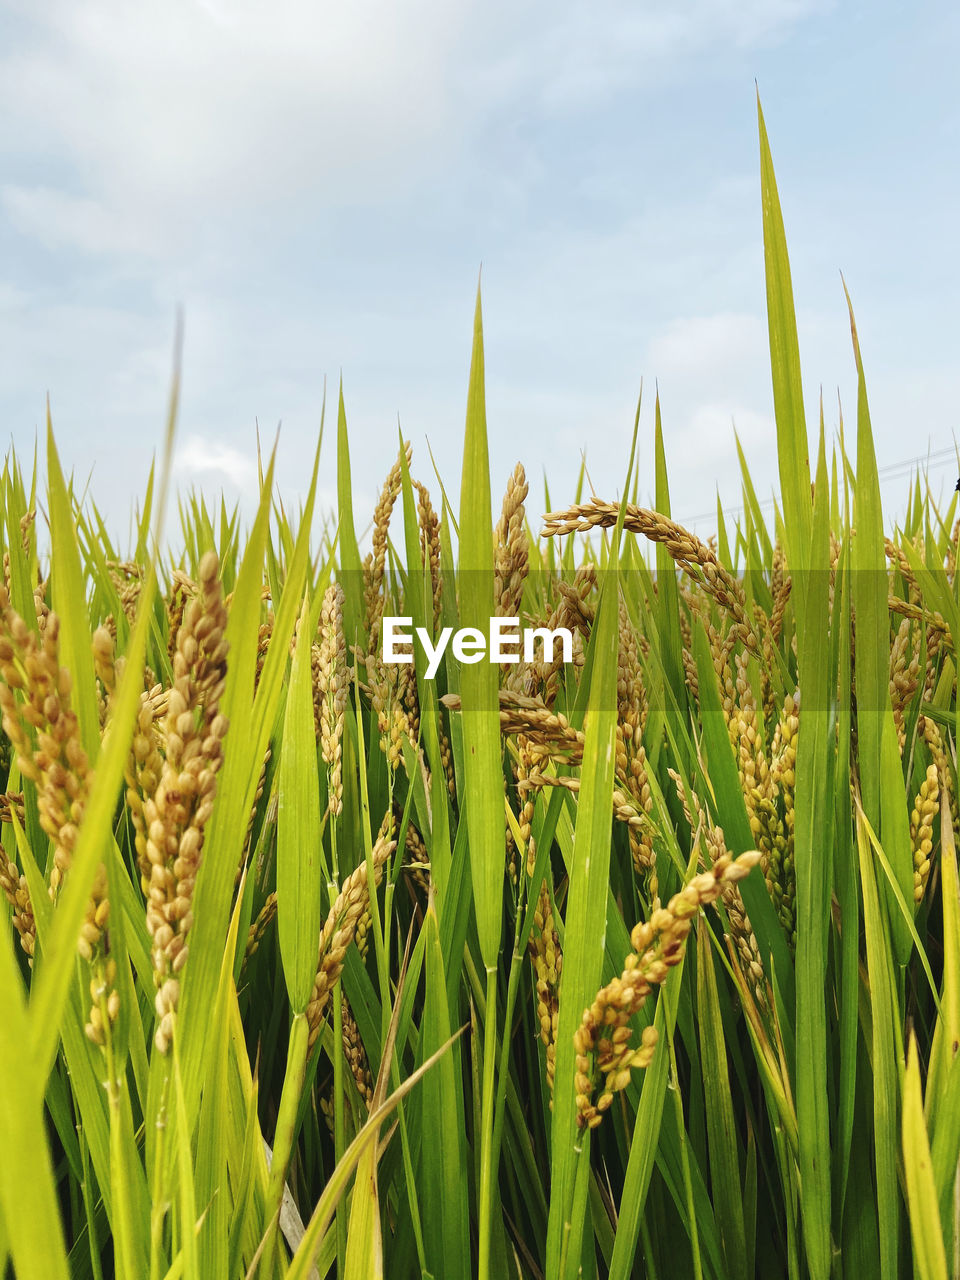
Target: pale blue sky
[[319, 183]]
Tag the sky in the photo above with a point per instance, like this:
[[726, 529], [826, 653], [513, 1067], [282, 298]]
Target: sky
[[317, 186]]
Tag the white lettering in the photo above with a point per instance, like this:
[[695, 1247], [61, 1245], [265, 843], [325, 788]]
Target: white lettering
[[504, 631], [392, 636], [434, 652], [548, 639], [469, 645]]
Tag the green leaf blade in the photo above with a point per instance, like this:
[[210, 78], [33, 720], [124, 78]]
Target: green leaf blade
[[300, 880]]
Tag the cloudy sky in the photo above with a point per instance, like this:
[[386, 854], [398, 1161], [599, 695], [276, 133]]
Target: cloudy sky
[[318, 184]]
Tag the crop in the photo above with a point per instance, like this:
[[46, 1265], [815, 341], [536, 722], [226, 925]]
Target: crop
[[645, 964]]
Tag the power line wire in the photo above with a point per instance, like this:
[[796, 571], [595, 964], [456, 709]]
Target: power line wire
[[890, 471]]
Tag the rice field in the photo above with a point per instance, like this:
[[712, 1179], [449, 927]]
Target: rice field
[[642, 963]]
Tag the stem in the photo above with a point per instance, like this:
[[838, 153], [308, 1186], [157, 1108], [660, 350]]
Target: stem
[[334, 860], [487, 1152], [381, 927], [409, 1171], [513, 983], [157, 1210], [647, 1248], [339, 1141], [509, 1086], [685, 1162], [336, 996], [124, 1261], [579, 1211], [565, 1245], [285, 1132], [88, 1204]]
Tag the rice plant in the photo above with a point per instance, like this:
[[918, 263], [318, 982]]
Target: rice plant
[[638, 958]]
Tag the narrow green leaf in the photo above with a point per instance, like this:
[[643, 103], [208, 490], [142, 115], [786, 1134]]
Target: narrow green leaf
[[221, 1131], [69, 602], [929, 1254], [364, 1256], [129, 1235], [187, 1206], [813, 865], [878, 756], [351, 567], [478, 681], [28, 1191], [480, 719], [885, 1039], [340, 1178], [646, 1134], [446, 1234], [792, 445], [946, 1036], [300, 879], [668, 595], [585, 920], [721, 1125]]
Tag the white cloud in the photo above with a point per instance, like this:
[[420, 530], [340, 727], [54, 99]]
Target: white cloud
[[201, 458], [713, 375], [198, 106], [61, 220], [717, 347], [168, 118], [145, 137], [589, 51], [12, 298]]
